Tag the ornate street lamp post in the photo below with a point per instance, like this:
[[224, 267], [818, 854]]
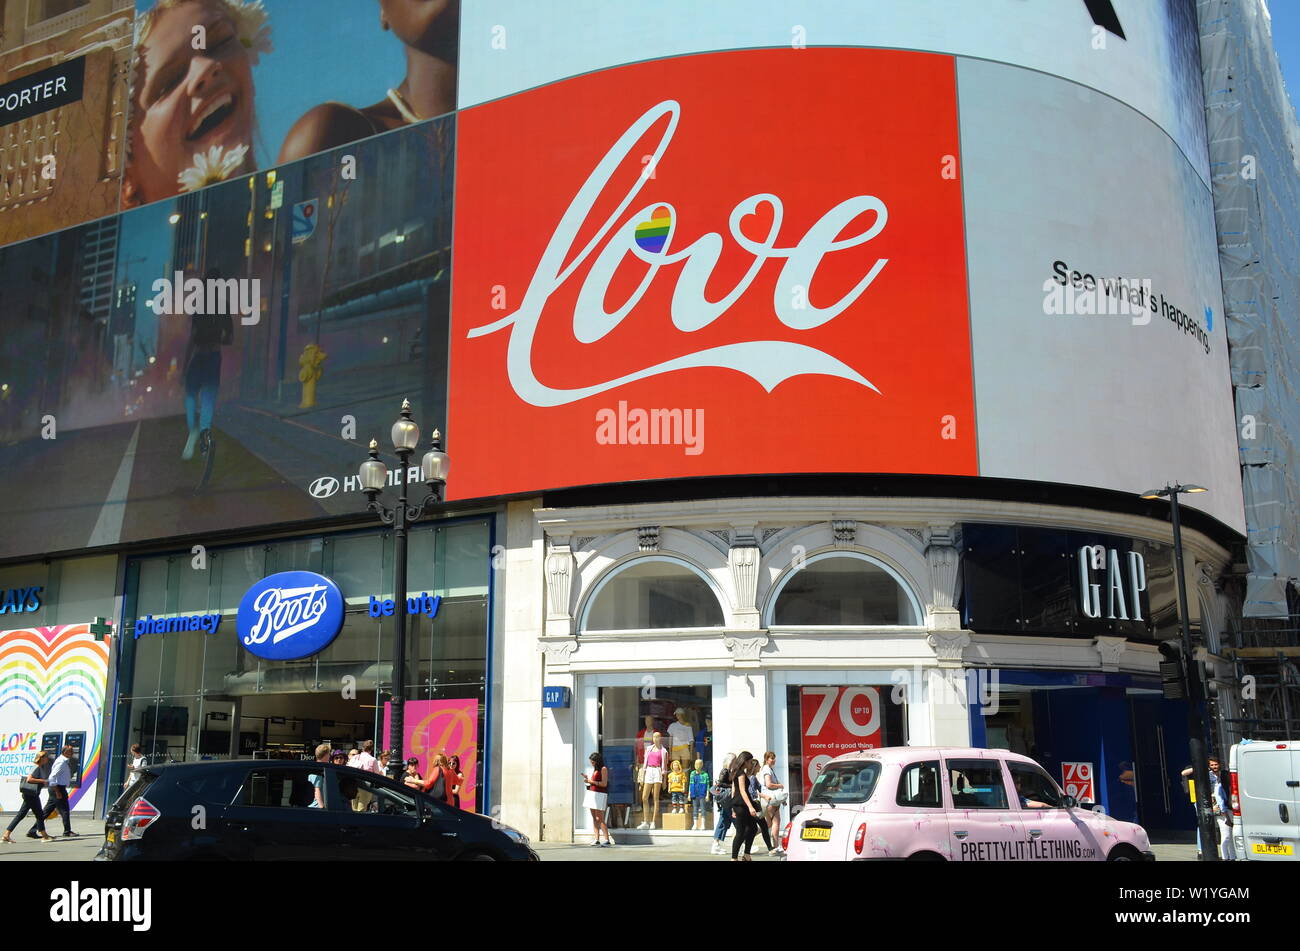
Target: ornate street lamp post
[[374, 476]]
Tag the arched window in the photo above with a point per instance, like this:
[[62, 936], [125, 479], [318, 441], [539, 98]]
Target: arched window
[[652, 593], [843, 590]]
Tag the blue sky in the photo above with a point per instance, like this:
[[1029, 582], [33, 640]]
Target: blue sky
[[1286, 37]]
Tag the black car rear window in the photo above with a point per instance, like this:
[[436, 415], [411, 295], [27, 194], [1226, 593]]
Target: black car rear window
[[218, 786]]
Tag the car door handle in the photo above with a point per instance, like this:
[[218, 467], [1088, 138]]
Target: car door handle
[[1035, 833], [1293, 783], [962, 834]]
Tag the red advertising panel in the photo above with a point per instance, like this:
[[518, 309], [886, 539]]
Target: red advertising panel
[[836, 720], [712, 265], [1077, 779]]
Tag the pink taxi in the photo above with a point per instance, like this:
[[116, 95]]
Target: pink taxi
[[963, 805]]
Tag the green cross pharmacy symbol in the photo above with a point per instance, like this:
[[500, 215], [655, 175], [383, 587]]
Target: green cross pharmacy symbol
[[100, 627]]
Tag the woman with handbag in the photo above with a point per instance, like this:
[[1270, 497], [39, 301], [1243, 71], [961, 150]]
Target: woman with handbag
[[30, 788], [722, 804], [771, 794]]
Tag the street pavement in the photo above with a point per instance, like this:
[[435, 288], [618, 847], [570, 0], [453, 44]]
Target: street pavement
[[84, 847]]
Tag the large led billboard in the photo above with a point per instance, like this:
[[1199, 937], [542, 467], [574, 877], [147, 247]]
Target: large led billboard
[[760, 244], [932, 237]]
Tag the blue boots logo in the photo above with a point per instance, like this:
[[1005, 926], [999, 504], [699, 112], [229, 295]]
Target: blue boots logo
[[290, 615]]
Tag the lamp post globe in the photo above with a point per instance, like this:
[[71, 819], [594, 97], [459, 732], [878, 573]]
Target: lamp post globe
[[374, 476]]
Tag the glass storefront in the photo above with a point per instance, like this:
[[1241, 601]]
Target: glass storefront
[[193, 695], [649, 781], [823, 722]]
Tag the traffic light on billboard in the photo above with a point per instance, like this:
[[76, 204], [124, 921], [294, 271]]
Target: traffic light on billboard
[[1173, 679]]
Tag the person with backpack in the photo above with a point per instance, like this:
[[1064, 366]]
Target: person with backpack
[[441, 781], [722, 803]]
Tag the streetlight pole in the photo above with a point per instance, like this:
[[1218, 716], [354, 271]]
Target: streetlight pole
[[374, 475], [1209, 829]]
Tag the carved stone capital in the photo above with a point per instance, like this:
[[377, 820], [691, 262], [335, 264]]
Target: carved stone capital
[[560, 567], [647, 537], [948, 647], [943, 556], [1110, 650], [845, 532], [558, 650], [743, 561], [745, 648]]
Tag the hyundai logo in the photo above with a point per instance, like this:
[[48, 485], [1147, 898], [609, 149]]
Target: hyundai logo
[[324, 487]]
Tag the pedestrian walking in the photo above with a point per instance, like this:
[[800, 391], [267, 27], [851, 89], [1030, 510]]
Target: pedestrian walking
[[751, 774], [772, 795], [412, 777], [743, 808], [1222, 810], [596, 799], [318, 779], [440, 780], [722, 804], [135, 765], [30, 789], [453, 765], [365, 760], [60, 780]]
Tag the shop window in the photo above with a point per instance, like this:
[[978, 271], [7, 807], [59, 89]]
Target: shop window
[[653, 594], [643, 787], [828, 721], [976, 784], [1034, 788], [918, 787], [843, 590]]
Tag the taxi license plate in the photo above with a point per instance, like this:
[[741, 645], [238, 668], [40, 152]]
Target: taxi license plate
[[1270, 848], [815, 835]]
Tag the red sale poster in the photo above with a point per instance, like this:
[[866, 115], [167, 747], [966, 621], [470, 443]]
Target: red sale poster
[[836, 720]]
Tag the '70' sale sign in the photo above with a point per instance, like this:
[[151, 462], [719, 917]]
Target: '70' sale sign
[[1077, 781], [834, 721]]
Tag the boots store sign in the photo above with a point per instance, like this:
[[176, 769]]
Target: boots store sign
[[1046, 581], [290, 615]]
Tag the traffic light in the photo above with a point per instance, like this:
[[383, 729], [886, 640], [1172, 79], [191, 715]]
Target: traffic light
[[1173, 678]]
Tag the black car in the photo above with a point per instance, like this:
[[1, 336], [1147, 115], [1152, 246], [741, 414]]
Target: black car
[[262, 810]]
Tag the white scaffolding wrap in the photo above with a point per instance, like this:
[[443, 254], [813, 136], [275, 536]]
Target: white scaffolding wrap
[[1254, 144]]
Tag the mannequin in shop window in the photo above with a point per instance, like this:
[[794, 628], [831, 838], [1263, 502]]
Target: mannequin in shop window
[[644, 737], [656, 763], [681, 737]]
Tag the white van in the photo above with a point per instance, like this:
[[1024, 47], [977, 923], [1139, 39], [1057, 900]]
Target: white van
[[1265, 776]]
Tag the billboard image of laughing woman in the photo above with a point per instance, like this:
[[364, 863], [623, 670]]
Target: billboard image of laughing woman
[[222, 88]]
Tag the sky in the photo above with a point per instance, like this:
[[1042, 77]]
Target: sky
[[1286, 38]]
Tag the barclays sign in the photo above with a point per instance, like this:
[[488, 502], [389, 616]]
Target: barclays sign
[[290, 615]]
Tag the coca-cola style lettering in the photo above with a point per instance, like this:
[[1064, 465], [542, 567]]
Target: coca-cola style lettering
[[713, 233]]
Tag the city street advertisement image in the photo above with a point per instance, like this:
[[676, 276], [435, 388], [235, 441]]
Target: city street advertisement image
[[799, 433]]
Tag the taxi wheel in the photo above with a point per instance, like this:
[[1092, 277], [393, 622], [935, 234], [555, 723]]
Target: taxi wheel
[[925, 857], [478, 857], [1123, 853]]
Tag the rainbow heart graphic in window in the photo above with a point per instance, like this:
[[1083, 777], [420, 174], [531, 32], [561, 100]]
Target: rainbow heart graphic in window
[[652, 235]]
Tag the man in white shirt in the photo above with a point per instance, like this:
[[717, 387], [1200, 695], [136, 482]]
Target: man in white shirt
[[60, 780], [366, 758]]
